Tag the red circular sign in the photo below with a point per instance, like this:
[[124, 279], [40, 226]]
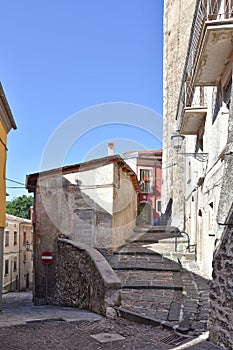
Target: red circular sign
[[47, 258]]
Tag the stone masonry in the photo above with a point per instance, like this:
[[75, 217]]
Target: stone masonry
[[177, 25], [94, 203], [84, 279], [221, 293]]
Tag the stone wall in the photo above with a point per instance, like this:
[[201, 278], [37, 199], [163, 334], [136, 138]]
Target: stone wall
[[178, 17], [63, 210], [221, 293], [221, 296], [124, 208], [84, 279]]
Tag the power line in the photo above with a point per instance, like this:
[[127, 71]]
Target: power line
[[15, 187], [16, 182]]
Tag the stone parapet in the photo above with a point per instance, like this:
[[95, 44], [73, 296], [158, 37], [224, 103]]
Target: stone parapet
[[84, 279]]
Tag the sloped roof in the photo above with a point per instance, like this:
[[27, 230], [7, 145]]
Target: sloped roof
[[17, 218], [6, 116], [144, 153], [31, 180]]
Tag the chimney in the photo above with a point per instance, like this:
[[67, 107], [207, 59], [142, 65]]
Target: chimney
[[110, 149]]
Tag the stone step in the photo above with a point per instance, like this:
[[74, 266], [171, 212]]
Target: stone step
[[136, 252], [155, 304], [157, 228], [157, 236], [152, 234], [137, 247], [137, 262], [137, 279]]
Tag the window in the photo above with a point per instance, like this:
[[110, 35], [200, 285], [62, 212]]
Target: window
[[6, 267], [15, 264], [158, 206], [24, 238], [15, 237], [145, 179], [210, 215], [228, 8], [216, 102], [7, 237], [227, 93]]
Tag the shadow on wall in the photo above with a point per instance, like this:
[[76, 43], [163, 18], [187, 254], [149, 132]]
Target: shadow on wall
[[165, 218]]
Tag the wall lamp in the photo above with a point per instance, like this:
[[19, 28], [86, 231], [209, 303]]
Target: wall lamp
[[177, 140], [27, 245]]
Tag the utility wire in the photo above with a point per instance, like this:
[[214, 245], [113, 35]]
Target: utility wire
[[16, 182]]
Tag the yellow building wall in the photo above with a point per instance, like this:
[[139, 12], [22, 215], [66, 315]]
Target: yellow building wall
[[3, 138]]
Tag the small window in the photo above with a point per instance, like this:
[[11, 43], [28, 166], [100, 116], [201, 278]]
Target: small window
[[210, 215], [24, 238], [15, 264], [227, 93], [15, 237], [158, 206], [146, 180], [25, 257], [7, 237], [6, 267], [189, 172], [216, 102]]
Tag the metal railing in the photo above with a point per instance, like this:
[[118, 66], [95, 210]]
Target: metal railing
[[195, 96], [205, 10]]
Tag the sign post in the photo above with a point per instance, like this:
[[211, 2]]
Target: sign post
[[47, 259]]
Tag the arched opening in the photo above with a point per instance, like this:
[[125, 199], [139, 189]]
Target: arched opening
[[144, 213]]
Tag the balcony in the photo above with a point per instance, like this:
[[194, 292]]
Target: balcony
[[194, 111], [216, 49], [209, 52]]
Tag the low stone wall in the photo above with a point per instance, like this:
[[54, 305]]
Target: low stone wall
[[221, 293], [84, 279]]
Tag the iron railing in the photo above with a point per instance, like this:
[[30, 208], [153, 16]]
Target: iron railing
[[205, 10]]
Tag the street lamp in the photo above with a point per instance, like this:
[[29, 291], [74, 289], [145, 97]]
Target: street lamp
[[27, 245], [177, 140]]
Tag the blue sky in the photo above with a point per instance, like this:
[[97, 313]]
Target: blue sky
[[60, 58]]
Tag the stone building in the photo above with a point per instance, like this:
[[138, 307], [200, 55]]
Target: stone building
[[6, 124], [147, 164], [178, 15], [202, 121], [17, 254], [93, 203]]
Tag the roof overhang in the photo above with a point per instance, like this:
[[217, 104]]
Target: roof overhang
[[31, 180], [6, 116]]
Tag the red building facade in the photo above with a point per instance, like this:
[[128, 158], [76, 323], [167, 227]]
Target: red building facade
[[147, 164]]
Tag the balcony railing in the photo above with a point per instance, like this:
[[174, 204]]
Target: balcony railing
[[206, 10], [195, 96]]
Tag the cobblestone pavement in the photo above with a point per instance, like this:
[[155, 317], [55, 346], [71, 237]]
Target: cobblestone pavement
[[159, 284], [74, 333]]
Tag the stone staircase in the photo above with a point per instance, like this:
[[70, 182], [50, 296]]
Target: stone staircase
[[156, 288]]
